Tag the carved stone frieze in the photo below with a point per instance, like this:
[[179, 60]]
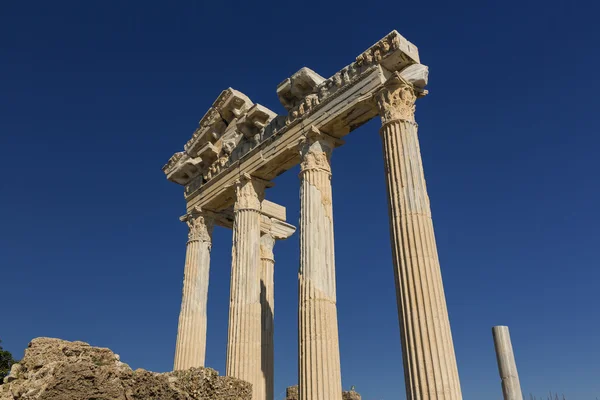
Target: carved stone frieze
[[294, 89], [305, 90], [234, 126], [181, 168], [229, 129]]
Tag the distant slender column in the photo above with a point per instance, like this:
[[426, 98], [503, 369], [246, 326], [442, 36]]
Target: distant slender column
[[427, 350], [190, 349], [244, 337], [319, 354], [511, 387], [267, 302]]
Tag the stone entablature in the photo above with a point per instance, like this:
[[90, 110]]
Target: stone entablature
[[236, 136], [231, 127]]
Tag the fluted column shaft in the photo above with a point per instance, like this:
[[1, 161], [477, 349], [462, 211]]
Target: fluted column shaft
[[244, 336], [430, 367], [190, 349], [267, 303], [319, 355]]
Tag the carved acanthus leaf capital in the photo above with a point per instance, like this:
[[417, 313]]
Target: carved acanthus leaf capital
[[316, 149], [200, 226], [396, 101], [249, 192]]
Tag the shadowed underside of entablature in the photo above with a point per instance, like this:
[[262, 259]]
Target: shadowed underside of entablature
[[272, 219], [238, 137]]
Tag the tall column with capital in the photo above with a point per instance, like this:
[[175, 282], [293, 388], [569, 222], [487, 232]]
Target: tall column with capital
[[244, 336], [319, 355], [267, 303], [190, 349], [427, 350]]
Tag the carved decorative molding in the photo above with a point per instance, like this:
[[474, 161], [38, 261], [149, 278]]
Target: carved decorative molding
[[324, 90], [249, 192], [234, 126], [229, 129], [200, 226], [396, 101], [316, 156], [316, 149]]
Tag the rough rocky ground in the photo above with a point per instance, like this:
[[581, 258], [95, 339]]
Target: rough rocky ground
[[54, 369], [292, 394]]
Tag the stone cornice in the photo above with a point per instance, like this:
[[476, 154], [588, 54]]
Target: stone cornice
[[232, 126], [266, 148]]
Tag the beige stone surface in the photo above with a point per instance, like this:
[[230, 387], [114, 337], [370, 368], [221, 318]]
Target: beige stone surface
[[244, 335], [351, 395], [292, 394], [507, 367], [54, 369], [190, 350], [267, 303], [319, 354], [429, 361]]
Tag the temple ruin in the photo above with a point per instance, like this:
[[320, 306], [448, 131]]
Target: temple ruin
[[225, 169]]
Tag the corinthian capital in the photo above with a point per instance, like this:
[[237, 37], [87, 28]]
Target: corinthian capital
[[396, 101], [249, 192], [315, 150], [200, 226]]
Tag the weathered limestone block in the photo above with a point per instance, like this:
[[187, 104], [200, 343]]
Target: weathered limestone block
[[228, 130], [351, 395], [294, 89], [54, 369], [291, 393]]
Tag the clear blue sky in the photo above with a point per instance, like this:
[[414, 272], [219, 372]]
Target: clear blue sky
[[96, 96]]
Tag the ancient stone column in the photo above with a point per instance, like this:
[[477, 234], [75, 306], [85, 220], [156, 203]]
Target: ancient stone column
[[267, 304], [244, 336], [190, 350], [511, 387], [427, 350], [319, 355]]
